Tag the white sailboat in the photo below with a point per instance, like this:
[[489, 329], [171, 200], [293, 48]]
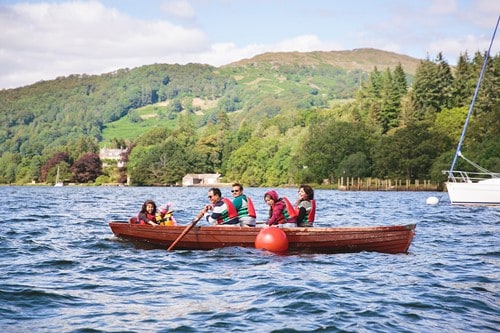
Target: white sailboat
[[473, 188], [58, 182]]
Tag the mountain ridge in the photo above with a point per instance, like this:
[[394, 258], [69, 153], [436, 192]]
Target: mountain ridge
[[362, 58], [365, 59]]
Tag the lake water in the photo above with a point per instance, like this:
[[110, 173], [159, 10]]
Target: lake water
[[62, 269]]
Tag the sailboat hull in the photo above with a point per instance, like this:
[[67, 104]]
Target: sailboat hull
[[486, 192]]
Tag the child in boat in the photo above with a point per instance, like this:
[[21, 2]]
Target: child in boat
[[147, 215], [280, 214], [165, 215]]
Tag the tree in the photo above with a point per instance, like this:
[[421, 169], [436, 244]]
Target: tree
[[354, 165], [374, 94], [450, 122], [488, 95], [9, 164], [390, 103], [80, 146], [409, 152], [328, 143], [57, 158], [445, 82], [463, 85], [87, 168], [432, 87], [250, 163], [400, 83]]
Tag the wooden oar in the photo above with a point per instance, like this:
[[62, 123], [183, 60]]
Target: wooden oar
[[186, 230]]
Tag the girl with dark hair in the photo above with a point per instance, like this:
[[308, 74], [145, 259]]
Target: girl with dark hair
[[305, 206], [147, 215]]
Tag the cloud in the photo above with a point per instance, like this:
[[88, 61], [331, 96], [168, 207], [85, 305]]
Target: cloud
[[46, 40], [469, 43], [443, 6], [181, 9]]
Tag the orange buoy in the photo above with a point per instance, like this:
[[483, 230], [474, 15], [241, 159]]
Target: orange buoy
[[272, 239]]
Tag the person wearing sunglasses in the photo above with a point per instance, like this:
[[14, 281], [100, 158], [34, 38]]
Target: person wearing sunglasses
[[221, 211], [244, 206]]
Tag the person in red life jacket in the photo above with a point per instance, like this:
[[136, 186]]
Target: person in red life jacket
[[221, 211], [305, 206], [279, 214], [244, 206], [147, 215]]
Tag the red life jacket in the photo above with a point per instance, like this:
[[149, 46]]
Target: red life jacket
[[232, 213], [251, 208], [290, 210], [312, 212], [149, 217]]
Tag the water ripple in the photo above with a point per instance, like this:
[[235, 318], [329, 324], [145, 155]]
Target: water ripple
[[66, 272]]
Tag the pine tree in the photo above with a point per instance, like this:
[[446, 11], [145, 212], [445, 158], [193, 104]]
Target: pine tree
[[390, 103], [432, 87], [463, 85]]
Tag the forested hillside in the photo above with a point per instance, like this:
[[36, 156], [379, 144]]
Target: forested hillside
[[281, 118]]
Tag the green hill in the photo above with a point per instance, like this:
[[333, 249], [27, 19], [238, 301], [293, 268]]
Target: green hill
[[48, 113], [263, 86], [277, 118]]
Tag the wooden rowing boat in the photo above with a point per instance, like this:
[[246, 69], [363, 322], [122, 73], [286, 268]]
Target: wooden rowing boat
[[385, 239]]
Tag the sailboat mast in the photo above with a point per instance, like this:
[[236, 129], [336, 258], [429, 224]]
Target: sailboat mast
[[471, 107]]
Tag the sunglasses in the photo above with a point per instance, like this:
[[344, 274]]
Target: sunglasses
[[235, 191]]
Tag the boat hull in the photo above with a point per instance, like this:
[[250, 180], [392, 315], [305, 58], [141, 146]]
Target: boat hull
[[480, 193], [385, 239]]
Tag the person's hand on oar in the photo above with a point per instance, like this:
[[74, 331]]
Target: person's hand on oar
[[188, 228]]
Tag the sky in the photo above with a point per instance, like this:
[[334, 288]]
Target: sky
[[43, 40]]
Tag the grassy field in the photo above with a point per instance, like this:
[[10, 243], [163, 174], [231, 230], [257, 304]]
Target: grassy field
[[151, 115]]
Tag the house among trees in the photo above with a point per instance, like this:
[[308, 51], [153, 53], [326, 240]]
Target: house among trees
[[200, 179], [113, 154]]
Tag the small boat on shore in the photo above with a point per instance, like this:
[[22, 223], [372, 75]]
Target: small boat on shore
[[384, 239]]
